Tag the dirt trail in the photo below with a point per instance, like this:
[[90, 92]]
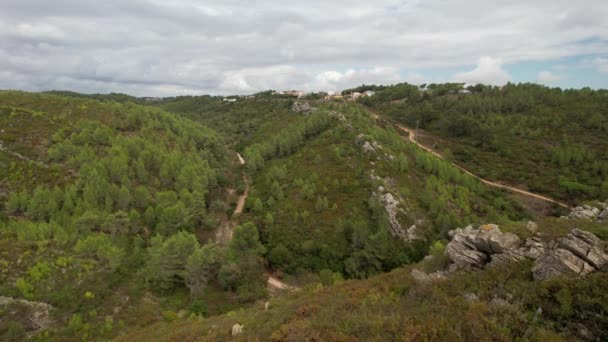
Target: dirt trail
[[241, 202], [225, 232], [412, 138], [276, 284]]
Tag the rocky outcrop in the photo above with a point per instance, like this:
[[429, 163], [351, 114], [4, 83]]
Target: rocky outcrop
[[590, 213], [301, 107], [586, 246], [368, 144], [532, 227], [472, 247], [338, 115], [367, 147], [578, 253], [423, 277], [603, 216], [237, 329], [391, 207], [558, 262]]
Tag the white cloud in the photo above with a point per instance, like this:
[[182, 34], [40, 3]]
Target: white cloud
[[284, 77], [334, 80], [601, 64], [230, 46], [547, 77], [488, 71]]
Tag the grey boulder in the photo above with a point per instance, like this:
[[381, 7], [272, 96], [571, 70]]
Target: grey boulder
[[578, 253]]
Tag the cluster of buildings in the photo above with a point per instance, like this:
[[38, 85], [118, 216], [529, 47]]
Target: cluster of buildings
[[331, 95]]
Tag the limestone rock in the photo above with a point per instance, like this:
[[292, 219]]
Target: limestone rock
[[471, 297], [585, 212], [586, 246], [532, 227], [463, 256], [559, 262], [603, 216], [301, 107], [423, 277], [507, 257], [578, 253], [391, 206], [475, 247], [533, 248], [410, 233], [367, 147], [237, 329]]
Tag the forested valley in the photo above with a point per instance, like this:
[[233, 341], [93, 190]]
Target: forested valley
[[112, 209]]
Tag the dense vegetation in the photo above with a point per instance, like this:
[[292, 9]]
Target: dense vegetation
[[319, 208], [116, 192], [111, 208], [551, 140], [496, 304]]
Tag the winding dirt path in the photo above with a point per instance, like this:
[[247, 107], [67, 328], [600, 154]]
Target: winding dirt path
[[226, 231], [241, 201], [412, 138]]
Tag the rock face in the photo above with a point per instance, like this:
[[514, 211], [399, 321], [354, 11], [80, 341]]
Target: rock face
[[557, 262], [472, 247], [391, 206], [590, 213], [578, 253]]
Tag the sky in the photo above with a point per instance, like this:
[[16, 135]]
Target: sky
[[180, 47]]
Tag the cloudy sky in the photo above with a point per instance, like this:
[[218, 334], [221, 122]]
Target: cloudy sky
[[172, 47]]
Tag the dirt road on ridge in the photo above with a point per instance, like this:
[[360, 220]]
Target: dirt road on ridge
[[412, 138]]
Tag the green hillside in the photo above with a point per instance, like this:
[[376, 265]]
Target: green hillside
[[549, 140], [495, 304], [135, 218]]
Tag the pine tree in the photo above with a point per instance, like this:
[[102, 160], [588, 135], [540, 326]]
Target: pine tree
[[167, 259], [269, 219], [257, 206], [124, 199], [202, 266]]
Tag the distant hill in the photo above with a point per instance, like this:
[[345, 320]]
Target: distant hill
[[548, 140]]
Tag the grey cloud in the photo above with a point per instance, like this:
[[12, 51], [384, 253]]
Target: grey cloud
[[153, 47]]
